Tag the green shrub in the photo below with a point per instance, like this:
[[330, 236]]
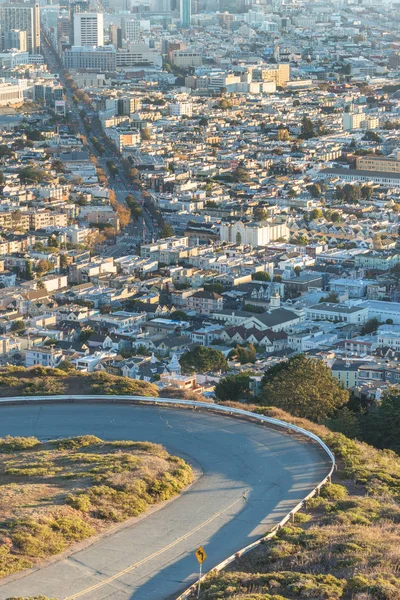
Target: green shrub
[[36, 540], [43, 387], [73, 529], [80, 441], [103, 383], [10, 564], [334, 491], [15, 444], [79, 502]]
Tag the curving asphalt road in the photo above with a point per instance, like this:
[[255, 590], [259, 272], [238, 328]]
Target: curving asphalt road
[[251, 477]]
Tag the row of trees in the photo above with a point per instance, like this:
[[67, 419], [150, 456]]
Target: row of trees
[[353, 193]]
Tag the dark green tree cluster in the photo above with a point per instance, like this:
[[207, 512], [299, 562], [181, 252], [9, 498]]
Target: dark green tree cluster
[[233, 387], [201, 360], [304, 387], [245, 354], [134, 207], [353, 193]]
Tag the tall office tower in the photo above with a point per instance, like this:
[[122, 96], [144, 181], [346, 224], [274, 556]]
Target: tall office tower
[[186, 13], [15, 38], [88, 29], [75, 7], [116, 36], [130, 30], [25, 17]]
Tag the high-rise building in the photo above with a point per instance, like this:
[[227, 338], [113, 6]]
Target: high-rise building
[[25, 17], [186, 13], [75, 7], [15, 38], [88, 29], [116, 36], [131, 30]]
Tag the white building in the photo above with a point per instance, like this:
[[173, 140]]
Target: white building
[[330, 311], [138, 54], [389, 336], [130, 30], [88, 29], [97, 59], [46, 357], [10, 94], [254, 233], [178, 109]]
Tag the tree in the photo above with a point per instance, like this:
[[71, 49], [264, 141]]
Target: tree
[[43, 266], [283, 135], [372, 136], [35, 135], [346, 422], [166, 230], [245, 354], [63, 261], [314, 189], [261, 276], [18, 326], [370, 326], [33, 175], [307, 128], [241, 175], [2, 178], [201, 360], [260, 214], [29, 270], [179, 315], [331, 297], [66, 365], [5, 151], [233, 387], [145, 134], [316, 213], [367, 191], [52, 241], [388, 423], [136, 210], [41, 285], [304, 387], [58, 166], [216, 287]]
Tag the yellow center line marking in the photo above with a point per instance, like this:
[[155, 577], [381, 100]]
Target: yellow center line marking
[[144, 560]]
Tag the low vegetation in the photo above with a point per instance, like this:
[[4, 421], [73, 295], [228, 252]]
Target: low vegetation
[[43, 381], [64, 491], [345, 546]]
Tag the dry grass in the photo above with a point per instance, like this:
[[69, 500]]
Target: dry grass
[[18, 381], [57, 493], [346, 546]]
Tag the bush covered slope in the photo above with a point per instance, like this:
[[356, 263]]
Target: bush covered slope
[[60, 492], [346, 546]]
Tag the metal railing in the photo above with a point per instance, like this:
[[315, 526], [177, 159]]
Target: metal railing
[[210, 408]]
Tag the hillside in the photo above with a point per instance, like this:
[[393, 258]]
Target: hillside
[[345, 546]]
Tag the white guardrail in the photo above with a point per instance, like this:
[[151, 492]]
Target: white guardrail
[[227, 410]]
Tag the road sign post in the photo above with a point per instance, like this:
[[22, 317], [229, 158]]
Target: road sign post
[[201, 557]]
